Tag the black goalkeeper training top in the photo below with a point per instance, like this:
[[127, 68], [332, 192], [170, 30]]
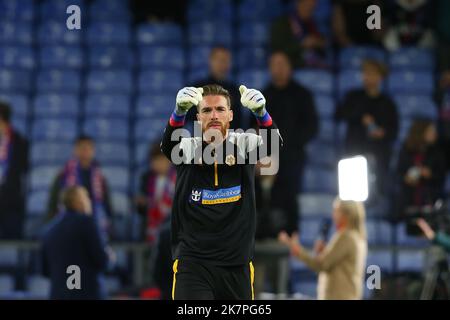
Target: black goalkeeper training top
[[214, 212]]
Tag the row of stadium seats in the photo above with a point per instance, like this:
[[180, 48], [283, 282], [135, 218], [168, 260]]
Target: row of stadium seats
[[158, 81], [175, 56], [118, 10]]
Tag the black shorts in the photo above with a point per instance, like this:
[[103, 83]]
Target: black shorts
[[203, 281]]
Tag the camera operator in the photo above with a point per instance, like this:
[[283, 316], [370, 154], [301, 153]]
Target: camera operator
[[421, 167], [438, 238]]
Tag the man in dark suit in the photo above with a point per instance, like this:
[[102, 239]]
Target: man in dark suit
[[13, 168], [219, 69], [294, 110], [73, 241]]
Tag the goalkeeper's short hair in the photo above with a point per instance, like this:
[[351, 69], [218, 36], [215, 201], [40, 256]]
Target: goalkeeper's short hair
[[216, 90]]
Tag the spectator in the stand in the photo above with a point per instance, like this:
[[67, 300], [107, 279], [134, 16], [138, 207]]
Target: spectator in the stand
[[13, 168], [372, 121], [219, 71], [298, 35], [74, 239], [157, 187], [340, 263], [421, 166], [409, 24], [161, 11], [439, 238], [442, 98], [349, 23], [84, 170], [292, 106]]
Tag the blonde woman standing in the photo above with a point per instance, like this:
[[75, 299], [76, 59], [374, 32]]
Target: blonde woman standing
[[340, 263]]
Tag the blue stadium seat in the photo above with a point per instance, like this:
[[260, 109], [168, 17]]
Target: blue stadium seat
[[161, 57], [306, 290], [112, 284], [42, 177], [257, 79], [155, 106], [21, 10], [198, 57], [161, 82], [384, 232], [20, 104], [108, 10], [318, 81], [411, 260], [141, 151], [7, 285], [148, 130], [323, 10], [37, 203], [197, 74], [325, 106], [372, 231], [348, 80], [412, 59], [252, 57], [310, 230], [56, 80], [382, 258], [114, 33], [59, 56], [259, 10], [159, 34], [38, 287], [56, 9], [405, 125], [255, 33], [316, 204], [113, 153], [316, 179], [15, 33], [120, 203], [56, 105], [55, 32], [50, 153], [17, 57], [9, 256], [221, 9], [15, 81], [210, 33], [110, 81], [352, 57], [117, 178], [102, 56], [416, 82], [328, 132], [54, 130], [322, 153], [107, 129], [107, 105], [21, 125], [415, 106]]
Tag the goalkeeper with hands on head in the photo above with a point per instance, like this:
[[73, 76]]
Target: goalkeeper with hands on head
[[214, 214]]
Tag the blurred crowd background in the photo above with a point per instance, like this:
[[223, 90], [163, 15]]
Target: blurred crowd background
[[88, 107]]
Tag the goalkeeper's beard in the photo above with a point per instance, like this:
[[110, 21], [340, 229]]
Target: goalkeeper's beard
[[210, 133]]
